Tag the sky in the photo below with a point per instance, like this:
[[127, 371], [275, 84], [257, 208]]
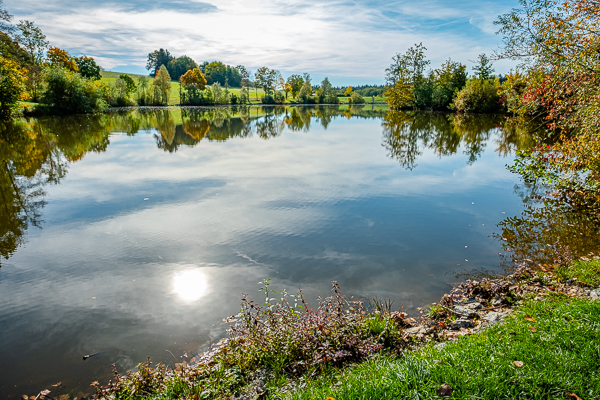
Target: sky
[[351, 42]]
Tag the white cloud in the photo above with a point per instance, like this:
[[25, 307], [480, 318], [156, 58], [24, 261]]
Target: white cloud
[[335, 38]]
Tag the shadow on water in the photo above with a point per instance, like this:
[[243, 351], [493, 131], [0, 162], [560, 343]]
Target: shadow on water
[[35, 153]]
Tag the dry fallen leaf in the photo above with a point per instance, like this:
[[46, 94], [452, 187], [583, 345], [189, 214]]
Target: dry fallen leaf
[[532, 329], [518, 364], [530, 318], [572, 395]]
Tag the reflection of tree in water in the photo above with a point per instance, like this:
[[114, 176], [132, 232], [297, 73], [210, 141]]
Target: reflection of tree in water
[[33, 155], [548, 231], [407, 134]]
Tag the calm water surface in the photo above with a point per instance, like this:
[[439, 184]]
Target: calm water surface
[[135, 233]]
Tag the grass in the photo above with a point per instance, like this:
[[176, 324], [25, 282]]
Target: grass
[[585, 272], [560, 353]]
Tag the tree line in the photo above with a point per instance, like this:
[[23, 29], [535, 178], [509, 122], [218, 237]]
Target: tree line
[[410, 85]]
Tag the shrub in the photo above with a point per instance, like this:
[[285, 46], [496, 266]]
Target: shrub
[[294, 338], [218, 94], [479, 96], [68, 92], [118, 94], [356, 98], [268, 99]]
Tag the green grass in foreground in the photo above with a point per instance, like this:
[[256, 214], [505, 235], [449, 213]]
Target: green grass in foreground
[[560, 353], [586, 272]]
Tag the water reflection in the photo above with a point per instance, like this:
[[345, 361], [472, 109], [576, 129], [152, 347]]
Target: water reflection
[[190, 285], [406, 134], [37, 152], [548, 232]]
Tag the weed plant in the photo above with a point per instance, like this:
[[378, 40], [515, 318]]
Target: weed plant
[[268, 345]]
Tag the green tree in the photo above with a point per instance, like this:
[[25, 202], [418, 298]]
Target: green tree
[[483, 67], [296, 83], [179, 66], [327, 94], [34, 42], [449, 79], [244, 75], [12, 86], [31, 38], [305, 93], [405, 78], [129, 83], [267, 79], [158, 58], [244, 96], [162, 85], [88, 68]]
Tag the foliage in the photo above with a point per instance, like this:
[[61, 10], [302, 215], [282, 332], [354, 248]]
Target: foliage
[[11, 50], [348, 91], [118, 93], [156, 59], [449, 79], [326, 94], [179, 66], [244, 97], [193, 77], [483, 68], [305, 93], [223, 74], [192, 87], [405, 78], [479, 97], [244, 76], [557, 44], [88, 68], [162, 85], [128, 82], [511, 92], [295, 82], [12, 86], [32, 40], [67, 92], [356, 98], [61, 58], [267, 79], [218, 94]]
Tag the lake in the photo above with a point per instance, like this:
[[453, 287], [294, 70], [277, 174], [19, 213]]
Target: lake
[[134, 233]]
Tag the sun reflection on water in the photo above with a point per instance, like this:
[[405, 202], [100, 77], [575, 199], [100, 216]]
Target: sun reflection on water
[[190, 285]]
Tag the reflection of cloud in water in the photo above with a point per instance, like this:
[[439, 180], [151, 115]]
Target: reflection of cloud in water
[[190, 285]]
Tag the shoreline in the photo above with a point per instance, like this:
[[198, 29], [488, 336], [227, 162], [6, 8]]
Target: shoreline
[[469, 309]]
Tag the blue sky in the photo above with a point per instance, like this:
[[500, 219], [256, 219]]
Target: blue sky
[[351, 42]]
